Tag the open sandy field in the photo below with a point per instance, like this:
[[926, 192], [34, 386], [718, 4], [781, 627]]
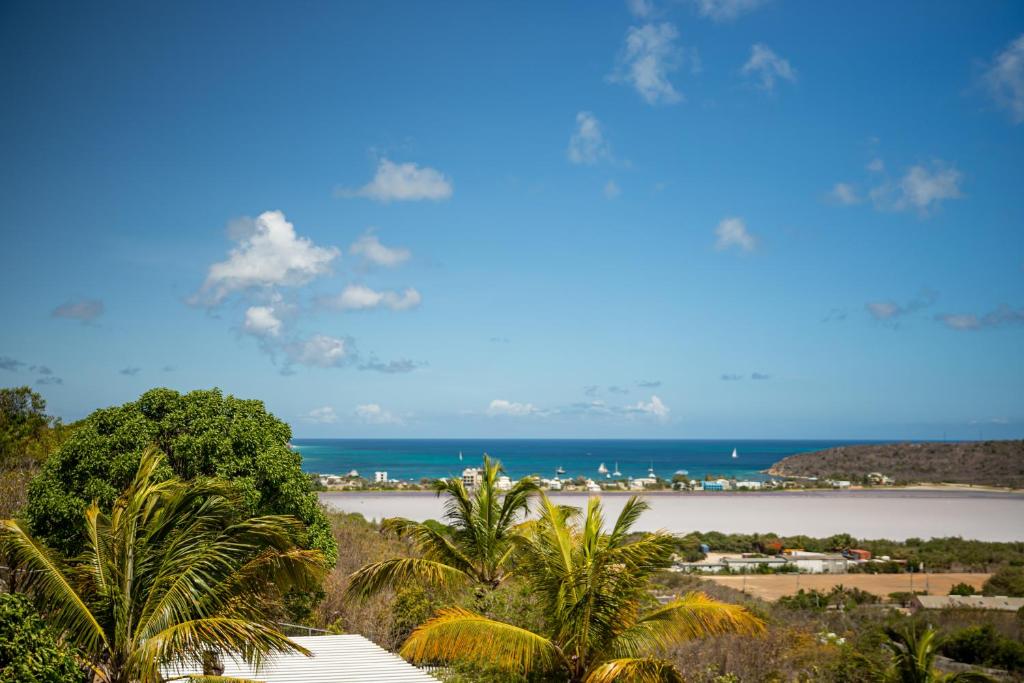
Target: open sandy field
[[774, 586]]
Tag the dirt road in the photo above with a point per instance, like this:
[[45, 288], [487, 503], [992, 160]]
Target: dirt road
[[774, 586]]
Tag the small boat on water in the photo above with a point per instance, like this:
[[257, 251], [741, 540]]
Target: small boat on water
[[601, 469], [734, 455], [560, 471], [616, 473], [683, 472]]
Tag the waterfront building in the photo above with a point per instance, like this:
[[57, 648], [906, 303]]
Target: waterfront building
[[380, 477], [504, 483], [472, 476]]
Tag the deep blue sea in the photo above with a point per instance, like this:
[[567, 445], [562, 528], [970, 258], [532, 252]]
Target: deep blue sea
[[411, 459]]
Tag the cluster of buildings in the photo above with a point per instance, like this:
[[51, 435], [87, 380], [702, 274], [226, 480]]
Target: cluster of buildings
[[790, 560]]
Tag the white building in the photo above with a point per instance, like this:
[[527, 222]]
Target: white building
[[334, 659], [841, 484], [380, 477], [593, 486], [472, 477], [640, 483], [504, 483], [749, 485], [818, 563]]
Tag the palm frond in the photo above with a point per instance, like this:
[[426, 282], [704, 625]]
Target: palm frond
[[455, 634], [48, 582], [635, 670], [694, 615], [629, 516], [401, 571]]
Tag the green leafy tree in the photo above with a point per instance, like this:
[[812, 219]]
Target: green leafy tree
[[962, 589], [474, 549], [23, 421], [1006, 581], [29, 650], [203, 434], [913, 658], [171, 575], [594, 586]]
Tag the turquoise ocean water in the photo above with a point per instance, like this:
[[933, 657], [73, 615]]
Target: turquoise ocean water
[[411, 459]]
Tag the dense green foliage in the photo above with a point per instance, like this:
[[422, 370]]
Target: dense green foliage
[[171, 573], [27, 436], [1007, 581], [29, 650], [203, 433], [983, 645]]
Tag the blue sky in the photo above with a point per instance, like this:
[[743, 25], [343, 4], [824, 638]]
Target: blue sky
[[701, 218]]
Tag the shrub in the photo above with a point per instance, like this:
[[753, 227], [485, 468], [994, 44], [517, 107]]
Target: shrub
[[29, 651]]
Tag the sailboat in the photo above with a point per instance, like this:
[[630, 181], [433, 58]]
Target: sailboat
[[560, 471], [734, 453], [601, 469], [616, 473], [460, 456]]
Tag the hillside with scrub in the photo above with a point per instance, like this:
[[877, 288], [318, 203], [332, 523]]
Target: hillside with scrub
[[982, 463]]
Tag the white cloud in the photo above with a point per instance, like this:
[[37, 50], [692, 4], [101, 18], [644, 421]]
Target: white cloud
[[768, 66], [261, 321], [732, 232], [322, 415], [726, 10], [1004, 79], [1002, 316], [372, 413], [269, 253], [403, 182], [611, 190], [587, 145], [844, 193], [648, 58], [640, 8], [922, 188], [369, 247], [883, 310], [362, 298], [320, 351], [889, 311], [876, 165], [85, 311], [655, 408], [500, 406]]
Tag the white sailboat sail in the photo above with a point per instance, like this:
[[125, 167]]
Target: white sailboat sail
[[601, 469], [734, 453]]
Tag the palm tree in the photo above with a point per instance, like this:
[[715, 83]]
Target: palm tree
[[171, 576], [594, 585], [474, 549], [914, 650]]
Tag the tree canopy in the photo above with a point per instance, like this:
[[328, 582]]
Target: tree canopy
[[203, 434], [29, 650]]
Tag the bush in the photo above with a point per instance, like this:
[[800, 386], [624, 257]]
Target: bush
[[1007, 581], [984, 646], [962, 589], [29, 651]]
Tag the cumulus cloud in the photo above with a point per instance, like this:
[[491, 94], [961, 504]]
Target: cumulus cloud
[[844, 193], [368, 247], [261, 321], [732, 232], [921, 189], [1001, 317], [611, 190], [1004, 79], [85, 310], [321, 415], [402, 182], [726, 10], [372, 413], [654, 408], [889, 312], [8, 363], [587, 144], [500, 406], [767, 67], [362, 298], [320, 351], [268, 254], [649, 57], [640, 9], [130, 371], [391, 367]]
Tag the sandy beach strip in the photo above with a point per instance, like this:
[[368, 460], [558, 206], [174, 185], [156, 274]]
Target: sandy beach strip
[[895, 514]]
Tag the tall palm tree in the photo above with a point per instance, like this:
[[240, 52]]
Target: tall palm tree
[[170, 576], [914, 650], [475, 549], [595, 585]]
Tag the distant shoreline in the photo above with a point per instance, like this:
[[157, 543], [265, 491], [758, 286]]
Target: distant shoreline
[[949, 488]]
